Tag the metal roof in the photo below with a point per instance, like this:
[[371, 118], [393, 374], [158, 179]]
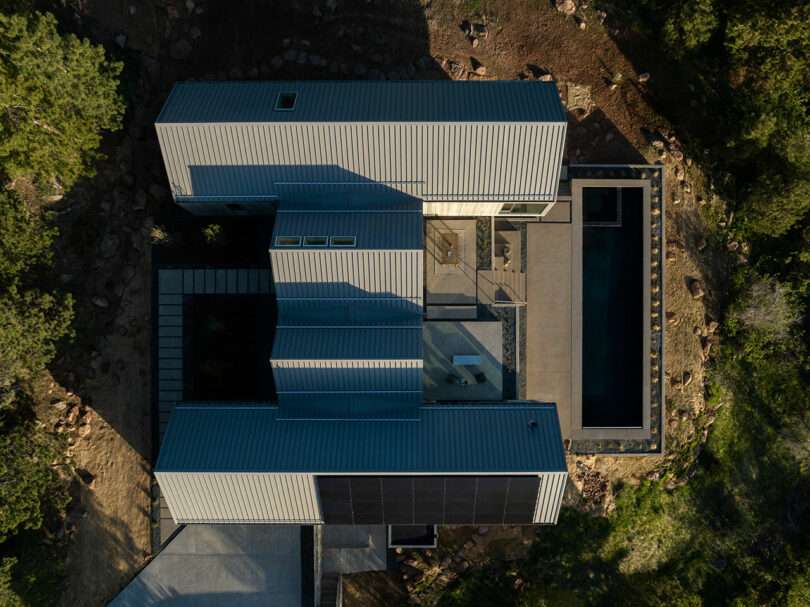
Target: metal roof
[[350, 405], [347, 343], [496, 438], [365, 101], [389, 231]]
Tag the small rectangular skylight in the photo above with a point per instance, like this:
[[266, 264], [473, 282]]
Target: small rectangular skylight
[[343, 241], [316, 241], [285, 102], [288, 241]]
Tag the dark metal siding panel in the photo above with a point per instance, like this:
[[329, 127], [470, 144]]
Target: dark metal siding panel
[[347, 343]]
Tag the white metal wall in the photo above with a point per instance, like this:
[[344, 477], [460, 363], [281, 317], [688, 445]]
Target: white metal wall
[[250, 497], [549, 497], [463, 209], [435, 162], [339, 273], [347, 375]]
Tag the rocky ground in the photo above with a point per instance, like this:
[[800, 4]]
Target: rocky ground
[[101, 394]]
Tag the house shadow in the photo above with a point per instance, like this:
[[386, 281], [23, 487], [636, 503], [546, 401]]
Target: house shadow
[[594, 139]]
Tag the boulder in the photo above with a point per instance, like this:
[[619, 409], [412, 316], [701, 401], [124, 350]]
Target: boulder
[[566, 7], [696, 289]]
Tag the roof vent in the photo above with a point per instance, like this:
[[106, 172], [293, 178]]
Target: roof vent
[[532, 424], [285, 102]]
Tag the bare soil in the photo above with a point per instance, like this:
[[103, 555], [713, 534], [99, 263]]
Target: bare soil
[[106, 221]]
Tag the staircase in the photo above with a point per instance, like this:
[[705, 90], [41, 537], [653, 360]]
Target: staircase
[[331, 595]]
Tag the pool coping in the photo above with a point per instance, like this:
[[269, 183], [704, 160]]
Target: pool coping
[[649, 439]]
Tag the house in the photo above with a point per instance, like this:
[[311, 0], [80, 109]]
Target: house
[[455, 305]]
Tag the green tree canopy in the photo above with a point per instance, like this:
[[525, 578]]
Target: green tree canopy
[[57, 94]]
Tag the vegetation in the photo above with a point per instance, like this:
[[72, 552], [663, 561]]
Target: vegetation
[[738, 531], [57, 94]]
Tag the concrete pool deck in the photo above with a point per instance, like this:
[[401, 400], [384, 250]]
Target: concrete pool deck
[[549, 320]]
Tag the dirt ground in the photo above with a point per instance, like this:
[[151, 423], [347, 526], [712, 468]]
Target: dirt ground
[[106, 220]]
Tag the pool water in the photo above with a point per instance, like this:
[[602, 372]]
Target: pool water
[[612, 308]]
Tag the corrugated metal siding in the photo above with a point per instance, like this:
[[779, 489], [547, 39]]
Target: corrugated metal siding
[[347, 343], [350, 312], [448, 438], [549, 497], [365, 101], [350, 405], [388, 231], [346, 375], [240, 498], [350, 274], [430, 161]]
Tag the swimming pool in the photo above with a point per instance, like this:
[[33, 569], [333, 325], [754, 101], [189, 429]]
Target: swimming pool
[[613, 312]]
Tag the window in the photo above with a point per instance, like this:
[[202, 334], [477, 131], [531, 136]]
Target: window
[[288, 241], [343, 241], [285, 102], [316, 241]]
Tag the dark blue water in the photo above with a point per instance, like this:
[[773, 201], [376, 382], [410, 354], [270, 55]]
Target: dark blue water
[[613, 313]]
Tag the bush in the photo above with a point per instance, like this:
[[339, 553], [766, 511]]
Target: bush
[[57, 94]]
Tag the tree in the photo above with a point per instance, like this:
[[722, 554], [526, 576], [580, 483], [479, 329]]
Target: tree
[[30, 325], [57, 94], [24, 239], [28, 484]]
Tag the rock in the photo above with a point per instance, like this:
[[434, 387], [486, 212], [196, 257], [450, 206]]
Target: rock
[[712, 327], [733, 246], [481, 70], [190, 6], [121, 40], [483, 530], [181, 50], [73, 415], [59, 405], [84, 430], [101, 302], [687, 378], [645, 77], [546, 78], [475, 42], [276, 62], [195, 32], [566, 7], [290, 54], [697, 331], [672, 319], [582, 25], [696, 289], [132, 9]]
